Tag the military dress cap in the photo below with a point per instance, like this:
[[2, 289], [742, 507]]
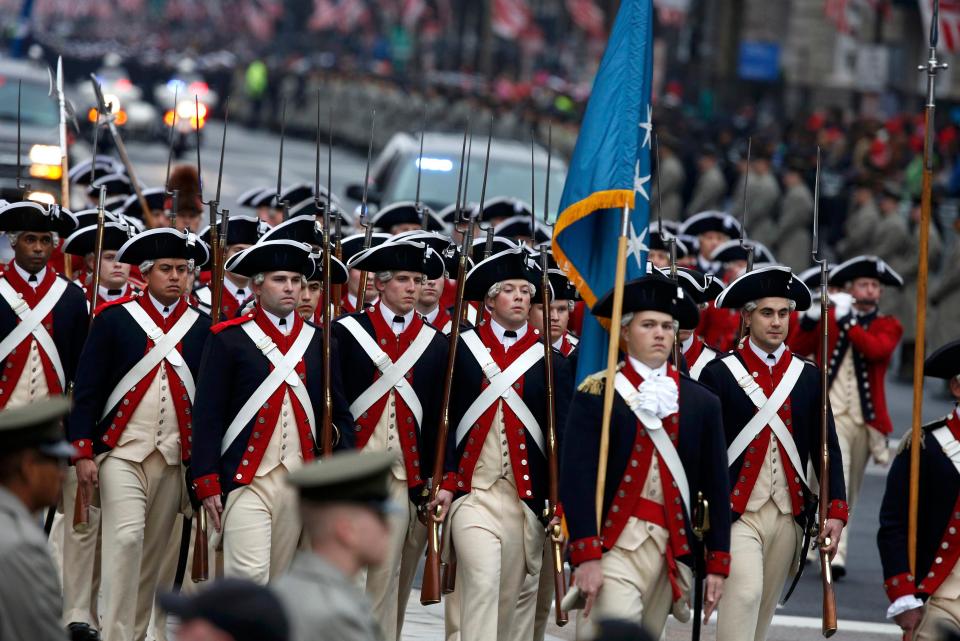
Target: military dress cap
[[272, 256], [250, 197], [400, 255], [503, 207], [451, 261], [562, 288], [943, 363], [500, 244], [36, 425], [265, 198], [243, 609], [811, 276], [707, 221], [241, 230], [653, 292], [353, 245], [519, 226], [310, 207], [864, 267], [102, 165], [765, 282], [406, 213], [338, 271], [28, 215], [300, 192], [303, 229], [535, 255], [164, 242], [701, 288], [84, 240], [437, 241], [351, 476], [733, 250], [156, 198], [511, 264]]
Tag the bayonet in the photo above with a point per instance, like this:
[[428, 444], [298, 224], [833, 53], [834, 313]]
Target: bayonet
[[21, 187], [64, 155], [533, 190], [488, 228], [364, 214], [463, 151], [421, 212], [284, 206]]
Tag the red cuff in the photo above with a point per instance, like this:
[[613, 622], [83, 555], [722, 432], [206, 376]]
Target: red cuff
[[206, 486], [899, 585], [838, 510], [718, 563], [449, 483], [84, 448], [588, 549]]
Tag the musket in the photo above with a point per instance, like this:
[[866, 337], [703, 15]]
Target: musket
[[326, 427], [103, 112], [931, 67], [173, 195], [81, 504], [364, 214], [553, 451], [488, 228], [333, 290], [672, 247], [217, 236], [431, 587], [283, 206], [744, 244], [469, 218]]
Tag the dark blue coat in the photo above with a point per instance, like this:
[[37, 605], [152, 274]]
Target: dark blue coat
[[115, 345], [939, 491], [700, 446], [231, 371], [357, 374], [467, 379], [737, 409]]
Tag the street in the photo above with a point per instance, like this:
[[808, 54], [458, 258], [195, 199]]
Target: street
[[251, 160]]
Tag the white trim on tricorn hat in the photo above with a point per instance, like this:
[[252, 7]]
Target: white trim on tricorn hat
[[400, 255], [864, 267], [944, 362], [84, 240], [164, 242], [765, 282], [338, 271], [28, 215], [405, 213], [712, 220], [511, 264], [731, 250], [520, 226], [272, 256], [652, 292], [352, 245]]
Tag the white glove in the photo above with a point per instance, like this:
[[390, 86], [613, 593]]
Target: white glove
[[658, 396], [842, 304], [813, 312]]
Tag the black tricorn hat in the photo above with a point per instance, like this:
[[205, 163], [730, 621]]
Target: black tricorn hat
[[84, 240], [512, 264], [338, 271], [733, 250], [156, 198], [272, 256], [943, 363], [116, 184], [519, 226], [500, 244], [503, 207], [103, 165], [241, 230], [701, 288], [400, 255], [658, 241], [438, 241], [707, 221], [28, 215], [562, 288], [656, 293], [303, 229], [37, 425], [164, 242], [763, 282], [250, 197], [811, 276], [353, 245], [864, 267], [406, 212]]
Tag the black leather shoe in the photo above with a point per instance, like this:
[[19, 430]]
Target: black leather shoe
[[82, 632]]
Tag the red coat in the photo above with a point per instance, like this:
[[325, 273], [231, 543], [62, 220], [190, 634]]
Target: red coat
[[874, 339]]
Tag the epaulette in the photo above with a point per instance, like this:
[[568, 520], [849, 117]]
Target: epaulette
[[113, 303], [595, 383], [219, 327], [907, 439]]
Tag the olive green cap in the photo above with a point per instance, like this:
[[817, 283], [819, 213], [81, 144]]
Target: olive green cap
[[37, 425], [346, 477]]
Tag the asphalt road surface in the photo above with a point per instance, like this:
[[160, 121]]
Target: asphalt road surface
[[251, 160]]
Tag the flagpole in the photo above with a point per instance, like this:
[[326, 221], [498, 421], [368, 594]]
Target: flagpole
[[613, 349]]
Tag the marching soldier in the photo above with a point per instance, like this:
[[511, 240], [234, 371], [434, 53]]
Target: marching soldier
[[710, 190], [701, 289], [926, 607], [260, 403], [43, 316], [861, 343], [711, 229], [242, 231], [32, 455], [391, 361], [659, 253], [349, 247], [114, 275], [345, 504], [132, 424], [495, 479], [770, 402], [661, 459], [397, 218], [561, 304]]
